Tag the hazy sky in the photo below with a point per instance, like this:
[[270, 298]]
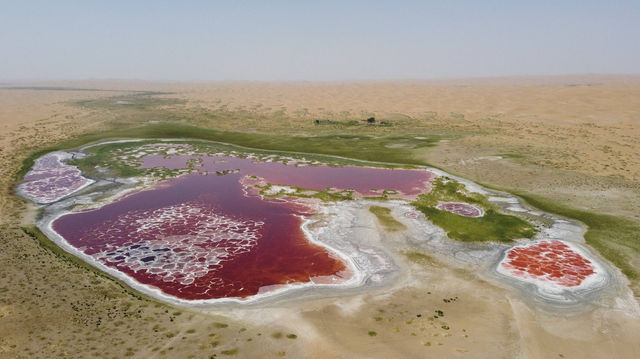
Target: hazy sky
[[315, 40]]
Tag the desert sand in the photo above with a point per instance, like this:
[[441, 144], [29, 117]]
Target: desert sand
[[573, 139]]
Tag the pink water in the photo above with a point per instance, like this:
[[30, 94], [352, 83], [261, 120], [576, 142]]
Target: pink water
[[365, 181], [201, 236], [50, 180]]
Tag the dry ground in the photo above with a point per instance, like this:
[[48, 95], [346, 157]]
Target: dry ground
[[575, 139]]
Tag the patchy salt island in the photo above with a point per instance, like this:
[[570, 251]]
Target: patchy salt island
[[203, 223], [51, 180]]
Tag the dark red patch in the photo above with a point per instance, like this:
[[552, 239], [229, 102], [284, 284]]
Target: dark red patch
[[549, 261]]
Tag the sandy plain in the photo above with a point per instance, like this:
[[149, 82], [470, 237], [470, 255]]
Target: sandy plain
[[572, 139]]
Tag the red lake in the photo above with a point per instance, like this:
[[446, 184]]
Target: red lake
[[203, 236]]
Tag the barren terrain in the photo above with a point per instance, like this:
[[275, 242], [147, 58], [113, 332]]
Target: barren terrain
[[570, 143]]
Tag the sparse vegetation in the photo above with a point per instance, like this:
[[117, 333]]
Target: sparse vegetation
[[420, 258], [446, 189], [233, 351], [386, 219]]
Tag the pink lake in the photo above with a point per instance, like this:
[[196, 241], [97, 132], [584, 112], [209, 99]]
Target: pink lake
[[203, 236]]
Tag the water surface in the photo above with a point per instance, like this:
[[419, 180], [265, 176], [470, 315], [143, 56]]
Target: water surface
[[204, 236]]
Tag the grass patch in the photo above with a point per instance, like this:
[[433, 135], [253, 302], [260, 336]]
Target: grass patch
[[447, 190], [386, 219], [99, 155], [325, 196], [419, 258], [515, 156], [233, 351], [492, 227], [142, 101]]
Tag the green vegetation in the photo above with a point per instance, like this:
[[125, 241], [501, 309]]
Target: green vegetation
[[447, 190], [101, 155], [493, 226], [337, 123], [233, 351], [386, 219], [616, 238], [371, 333], [325, 196], [419, 258], [348, 123], [142, 101], [512, 156]]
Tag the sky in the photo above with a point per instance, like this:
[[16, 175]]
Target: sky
[[299, 40]]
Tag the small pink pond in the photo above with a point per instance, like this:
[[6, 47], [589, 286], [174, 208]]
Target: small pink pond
[[204, 236], [462, 209]]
